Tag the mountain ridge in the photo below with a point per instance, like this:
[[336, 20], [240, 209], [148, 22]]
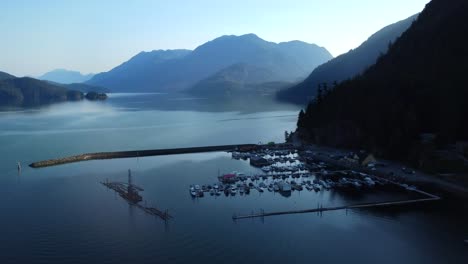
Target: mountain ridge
[[347, 65], [182, 72], [417, 88]]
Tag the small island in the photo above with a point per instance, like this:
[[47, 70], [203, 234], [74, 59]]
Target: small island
[[94, 96]]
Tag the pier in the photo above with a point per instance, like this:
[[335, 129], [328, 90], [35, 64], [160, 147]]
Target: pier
[[138, 153], [323, 209]]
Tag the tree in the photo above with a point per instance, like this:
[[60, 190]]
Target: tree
[[300, 120], [319, 94]]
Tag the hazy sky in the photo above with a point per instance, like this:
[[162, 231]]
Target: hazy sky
[[97, 35]]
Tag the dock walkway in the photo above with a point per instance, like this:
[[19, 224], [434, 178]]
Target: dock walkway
[[323, 209]]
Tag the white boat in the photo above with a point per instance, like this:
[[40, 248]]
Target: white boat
[[369, 182], [357, 184], [233, 190]]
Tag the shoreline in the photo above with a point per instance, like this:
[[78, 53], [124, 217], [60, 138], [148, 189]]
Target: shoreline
[[322, 153]]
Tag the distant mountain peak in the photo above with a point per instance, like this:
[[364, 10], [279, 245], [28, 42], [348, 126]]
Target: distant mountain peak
[[65, 76]]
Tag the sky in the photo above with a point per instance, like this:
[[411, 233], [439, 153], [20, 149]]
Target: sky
[[94, 36]]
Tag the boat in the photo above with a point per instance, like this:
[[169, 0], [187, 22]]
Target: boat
[[317, 187], [233, 190], [275, 188], [356, 184], [369, 182], [212, 192], [324, 184], [284, 187]]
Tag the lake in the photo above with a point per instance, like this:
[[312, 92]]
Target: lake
[[63, 214]]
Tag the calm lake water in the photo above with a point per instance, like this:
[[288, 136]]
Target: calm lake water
[[64, 215]]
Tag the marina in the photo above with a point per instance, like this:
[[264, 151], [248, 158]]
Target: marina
[[286, 171]]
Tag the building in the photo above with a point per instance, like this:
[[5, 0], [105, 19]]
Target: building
[[366, 159]]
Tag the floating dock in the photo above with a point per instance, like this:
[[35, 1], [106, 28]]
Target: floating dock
[[323, 209], [319, 209], [137, 153]]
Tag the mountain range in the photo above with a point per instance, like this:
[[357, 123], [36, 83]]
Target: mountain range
[[65, 76], [417, 88], [180, 70], [347, 65]]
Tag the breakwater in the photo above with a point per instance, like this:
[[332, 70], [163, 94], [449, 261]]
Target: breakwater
[[137, 153]]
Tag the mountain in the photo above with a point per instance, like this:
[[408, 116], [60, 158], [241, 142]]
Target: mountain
[[347, 65], [289, 61], [28, 92], [4, 76], [418, 88], [238, 78], [141, 71], [65, 76]]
